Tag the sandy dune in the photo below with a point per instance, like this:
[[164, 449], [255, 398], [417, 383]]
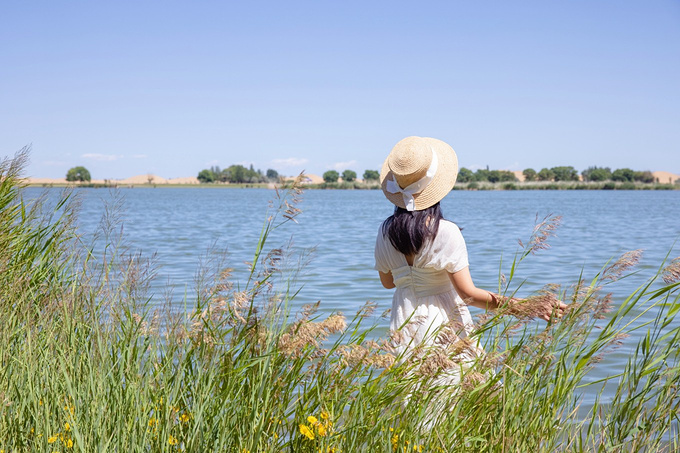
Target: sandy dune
[[665, 177], [143, 179], [312, 179]]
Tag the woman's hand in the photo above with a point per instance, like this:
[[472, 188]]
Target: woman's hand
[[558, 309], [545, 306]]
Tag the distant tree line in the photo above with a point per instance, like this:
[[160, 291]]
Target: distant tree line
[[466, 175], [237, 174], [332, 176], [562, 173]]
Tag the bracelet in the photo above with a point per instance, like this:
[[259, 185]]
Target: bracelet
[[498, 299]]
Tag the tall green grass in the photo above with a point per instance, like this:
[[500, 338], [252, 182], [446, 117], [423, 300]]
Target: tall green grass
[[90, 364]]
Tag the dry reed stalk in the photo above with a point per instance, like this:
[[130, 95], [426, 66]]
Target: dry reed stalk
[[368, 355], [625, 262], [542, 231], [367, 309], [671, 273], [304, 334]]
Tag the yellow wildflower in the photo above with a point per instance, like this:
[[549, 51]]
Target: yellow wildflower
[[324, 415], [321, 430], [312, 420], [52, 439], [67, 427], [184, 417], [69, 444], [395, 440], [305, 431], [172, 440]]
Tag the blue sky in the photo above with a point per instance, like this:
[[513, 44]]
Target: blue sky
[[170, 88]]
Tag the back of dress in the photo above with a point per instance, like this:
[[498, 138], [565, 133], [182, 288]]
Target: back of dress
[[425, 299]]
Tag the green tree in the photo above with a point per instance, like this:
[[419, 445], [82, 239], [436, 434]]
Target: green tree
[[371, 175], [596, 174], [465, 175], [529, 174], [349, 175], [623, 174], [482, 174], [506, 176], [497, 175], [238, 174], [644, 176], [206, 176], [493, 175], [78, 174], [331, 176], [565, 173], [545, 175], [272, 175]]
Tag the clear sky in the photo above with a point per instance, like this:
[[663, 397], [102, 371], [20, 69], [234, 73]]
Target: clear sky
[[165, 87]]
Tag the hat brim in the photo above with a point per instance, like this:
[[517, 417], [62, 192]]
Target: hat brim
[[441, 184]]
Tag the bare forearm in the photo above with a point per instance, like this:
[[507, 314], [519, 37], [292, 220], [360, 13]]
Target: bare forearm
[[482, 299], [472, 295]]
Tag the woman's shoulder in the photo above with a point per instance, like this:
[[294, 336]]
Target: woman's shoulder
[[448, 226]]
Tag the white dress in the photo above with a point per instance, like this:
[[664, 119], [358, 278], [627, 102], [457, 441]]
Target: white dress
[[425, 299]]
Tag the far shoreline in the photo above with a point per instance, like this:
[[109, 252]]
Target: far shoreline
[[357, 185]]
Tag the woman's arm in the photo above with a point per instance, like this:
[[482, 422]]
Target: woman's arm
[[466, 289], [387, 279]]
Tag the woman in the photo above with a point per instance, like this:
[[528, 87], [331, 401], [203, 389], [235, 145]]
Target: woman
[[420, 253]]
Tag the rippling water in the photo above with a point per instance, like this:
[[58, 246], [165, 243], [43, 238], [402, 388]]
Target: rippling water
[[181, 224]]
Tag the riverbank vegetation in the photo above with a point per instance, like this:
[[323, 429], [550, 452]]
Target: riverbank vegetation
[[92, 361], [516, 185], [563, 185], [238, 174]]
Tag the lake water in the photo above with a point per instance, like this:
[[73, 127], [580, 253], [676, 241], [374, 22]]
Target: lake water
[[181, 224]]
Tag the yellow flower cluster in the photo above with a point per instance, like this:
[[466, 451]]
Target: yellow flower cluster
[[64, 437], [177, 417], [316, 427], [394, 440]]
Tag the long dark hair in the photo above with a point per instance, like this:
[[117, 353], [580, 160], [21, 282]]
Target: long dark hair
[[409, 230]]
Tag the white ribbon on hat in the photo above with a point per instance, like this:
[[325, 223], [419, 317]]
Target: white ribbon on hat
[[407, 192]]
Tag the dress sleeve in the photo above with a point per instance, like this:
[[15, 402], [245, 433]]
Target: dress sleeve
[[381, 253], [448, 249]]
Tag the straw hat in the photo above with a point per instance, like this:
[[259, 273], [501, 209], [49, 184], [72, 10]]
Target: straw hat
[[419, 172]]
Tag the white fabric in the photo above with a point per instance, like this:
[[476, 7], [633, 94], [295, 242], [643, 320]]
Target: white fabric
[[407, 192], [424, 290]]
